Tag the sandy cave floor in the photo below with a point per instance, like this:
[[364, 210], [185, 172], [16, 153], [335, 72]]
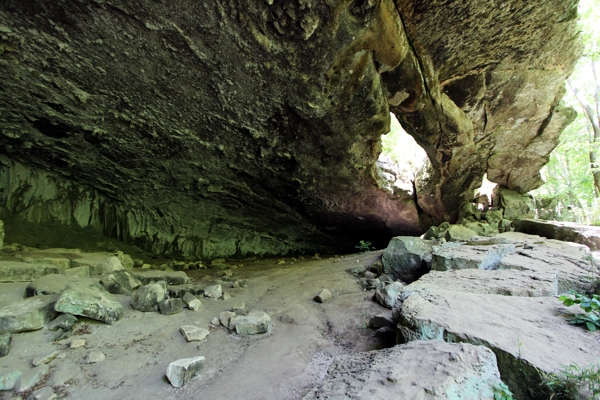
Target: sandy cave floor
[[283, 364]]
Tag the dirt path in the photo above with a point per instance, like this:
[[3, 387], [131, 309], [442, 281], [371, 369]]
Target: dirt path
[[283, 364]]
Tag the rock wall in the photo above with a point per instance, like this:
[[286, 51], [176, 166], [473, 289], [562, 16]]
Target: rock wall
[[244, 126]]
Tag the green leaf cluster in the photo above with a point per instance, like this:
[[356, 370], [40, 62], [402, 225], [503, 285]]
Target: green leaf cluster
[[502, 392], [591, 306], [365, 246]]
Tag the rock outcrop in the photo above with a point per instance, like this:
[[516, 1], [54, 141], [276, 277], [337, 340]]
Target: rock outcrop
[[255, 128]]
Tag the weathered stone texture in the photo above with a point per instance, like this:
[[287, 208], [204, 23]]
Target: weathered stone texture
[[247, 127]]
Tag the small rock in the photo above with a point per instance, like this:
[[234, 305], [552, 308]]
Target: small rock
[[152, 276], [76, 343], [387, 296], [182, 371], [110, 264], [63, 321], [193, 333], [215, 321], [146, 266], [239, 309], [146, 298], [240, 283], [170, 306], [8, 379], [44, 393], [95, 357], [213, 292], [188, 297], [225, 318], [5, 344], [45, 359], [253, 323], [195, 305], [323, 296], [31, 378], [226, 296]]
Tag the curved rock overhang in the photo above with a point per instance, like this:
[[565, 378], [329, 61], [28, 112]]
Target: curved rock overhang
[[241, 127]]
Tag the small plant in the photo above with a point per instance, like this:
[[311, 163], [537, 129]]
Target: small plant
[[364, 246], [502, 392], [573, 381], [591, 306]]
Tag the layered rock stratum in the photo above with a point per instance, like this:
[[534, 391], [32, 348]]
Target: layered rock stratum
[[246, 127]]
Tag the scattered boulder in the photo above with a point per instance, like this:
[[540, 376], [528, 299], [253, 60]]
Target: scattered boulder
[[126, 260], [182, 371], [79, 272], [152, 276], [55, 284], [5, 340], [458, 233], [193, 333], [452, 256], [110, 264], [45, 393], [146, 298], [13, 271], [27, 315], [63, 321], [195, 305], [45, 359], [407, 258], [213, 292], [31, 378], [239, 309], [8, 379], [323, 296], [170, 306], [453, 371], [95, 357], [188, 298], [253, 323], [387, 296], [92, 301], [121, 282]]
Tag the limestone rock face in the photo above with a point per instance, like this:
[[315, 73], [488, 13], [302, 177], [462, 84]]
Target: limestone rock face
[[253, 127]]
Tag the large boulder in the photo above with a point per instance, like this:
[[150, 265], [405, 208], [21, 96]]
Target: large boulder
[[27, 315], [527, 334], [407, 258], [121, 282], [514, 204], [89, 300], [416, 370]]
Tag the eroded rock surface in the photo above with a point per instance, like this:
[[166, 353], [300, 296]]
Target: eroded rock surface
[[254, 129]]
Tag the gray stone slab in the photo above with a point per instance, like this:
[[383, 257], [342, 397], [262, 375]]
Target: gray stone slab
[[91, 301], [151, 276], [417, 370], [13, 271]]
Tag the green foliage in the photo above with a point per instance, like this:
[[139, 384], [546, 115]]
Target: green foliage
[[502, 392], [591, 306], [572, 381], [402, 148], [365, 246]]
